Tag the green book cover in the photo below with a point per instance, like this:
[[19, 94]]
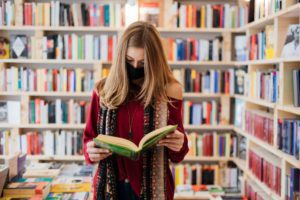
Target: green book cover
[[127, 148]]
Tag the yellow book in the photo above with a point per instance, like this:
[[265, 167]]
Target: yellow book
[[269, 51], [203, 16], [190, 17], [78, 74]]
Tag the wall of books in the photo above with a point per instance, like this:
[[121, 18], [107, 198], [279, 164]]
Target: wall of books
[[237, 60]]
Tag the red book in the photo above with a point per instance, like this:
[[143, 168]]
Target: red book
[[197, 82], [187, 16], [54, 79], [194, 16], [221, 16], [270, 131], [29, 145], [101, 8], [91, 14], [30, 14]]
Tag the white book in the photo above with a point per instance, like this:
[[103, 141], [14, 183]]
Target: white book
[[231, 71], [182, 16], [204, 113], [115, 41], [212, 81], [111, 15], [23, 139], [96, 48], [69, 143], [75, 14], [117, 15], [215, 146], [227, 21], [49, 146], [104, 47], [57, 6], [75, 135], [66, 44], [14, 112], [208, 16], [58, 111], [74, 46], [88, 45]]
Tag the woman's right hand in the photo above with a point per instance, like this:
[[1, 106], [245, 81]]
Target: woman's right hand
[[96, 154]]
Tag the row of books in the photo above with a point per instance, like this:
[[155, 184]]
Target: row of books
[[265, 171], [264, 84], [260, 124], [47, 181], [56, 13], [296, 87], [208, 15], [53, 79], [254, 192], [62, 46], [206, 174], [288, 138], [47, 143], [265, 8], [193, 49], [261, 44], [292, 184], [57, 111], [209, 82], [206, 112], [211, 144]]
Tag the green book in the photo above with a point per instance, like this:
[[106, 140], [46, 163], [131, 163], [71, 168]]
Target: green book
[[127, 148]]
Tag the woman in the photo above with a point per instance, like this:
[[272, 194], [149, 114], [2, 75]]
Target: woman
[[139, 95]]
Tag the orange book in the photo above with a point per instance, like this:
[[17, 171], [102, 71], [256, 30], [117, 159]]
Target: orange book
[[194, 16], [203, 16], [208, 114], [29, 145], [171, 49], [190, 16]]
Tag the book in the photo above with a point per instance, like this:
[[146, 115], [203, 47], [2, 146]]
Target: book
[[4, 48], [291, 48], [295, 184], [127, 148], [71, 184], [19, 46], [240, 46], [73, 195], [296, 87], [3, 177], [27, 189], [240, 80]]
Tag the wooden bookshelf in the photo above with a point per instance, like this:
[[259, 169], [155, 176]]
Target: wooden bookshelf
[[43, 126], [207, 127]]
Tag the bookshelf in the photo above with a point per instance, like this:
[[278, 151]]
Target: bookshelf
[[283, 108]]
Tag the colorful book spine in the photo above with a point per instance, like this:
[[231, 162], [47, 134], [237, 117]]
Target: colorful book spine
[[207, 174], [46, 80], [211, 144], [192, 49], [58, 112], [288, 137], [204, 113], [260, 125], [264, 84], [208, 16], [265, 171], [66, 46], [207, 82], [57, 13]]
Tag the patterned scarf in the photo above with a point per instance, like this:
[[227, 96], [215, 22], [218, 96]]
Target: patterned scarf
[[154, 160]]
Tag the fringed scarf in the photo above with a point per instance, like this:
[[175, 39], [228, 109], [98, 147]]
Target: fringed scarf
[[154, 160]]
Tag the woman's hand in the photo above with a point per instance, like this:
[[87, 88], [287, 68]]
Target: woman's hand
[[173, 141], [96, 154]]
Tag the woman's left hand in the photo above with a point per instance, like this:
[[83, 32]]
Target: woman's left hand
[[173, 141]]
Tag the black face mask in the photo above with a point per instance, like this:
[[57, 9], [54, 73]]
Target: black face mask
[[134, 73]]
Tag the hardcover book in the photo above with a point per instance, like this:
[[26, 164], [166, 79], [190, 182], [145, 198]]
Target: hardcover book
[[127, 148]]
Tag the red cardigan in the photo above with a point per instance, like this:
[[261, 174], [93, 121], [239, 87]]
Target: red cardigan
[[132, 170]]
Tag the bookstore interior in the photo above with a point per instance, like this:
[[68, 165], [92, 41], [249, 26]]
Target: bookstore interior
[[238, 62]]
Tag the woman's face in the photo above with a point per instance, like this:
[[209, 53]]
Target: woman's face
[[135, 57]]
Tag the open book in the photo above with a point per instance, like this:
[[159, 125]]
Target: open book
[[127, 148]]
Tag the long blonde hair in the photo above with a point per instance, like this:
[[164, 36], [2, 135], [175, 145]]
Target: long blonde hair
[[114, 89]]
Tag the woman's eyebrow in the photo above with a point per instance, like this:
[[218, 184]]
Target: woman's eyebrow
[[129, 57]]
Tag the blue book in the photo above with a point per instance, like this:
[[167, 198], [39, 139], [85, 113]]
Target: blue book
[[298, 140], [295, 184], [274, 86], [216, 89], [106, 15]]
